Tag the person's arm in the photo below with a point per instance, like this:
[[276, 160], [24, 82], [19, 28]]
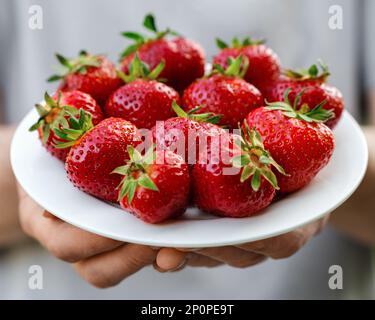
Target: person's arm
[[356, 217], [9, 226], [371, 99]]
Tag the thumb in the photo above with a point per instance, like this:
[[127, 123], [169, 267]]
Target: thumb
[[169, 259]]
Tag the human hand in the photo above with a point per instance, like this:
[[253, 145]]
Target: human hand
[[101, 261], [105, 262], [240, 256]]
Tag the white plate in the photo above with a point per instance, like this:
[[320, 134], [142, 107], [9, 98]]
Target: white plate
[[44, 179]]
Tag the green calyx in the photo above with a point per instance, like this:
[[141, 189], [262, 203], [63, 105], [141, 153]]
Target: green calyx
[[140, 70], [140, 39], [255, 161], [305, 113], [237, 67], [199, 117], [77, 65], [237, 43], [51, 115], [135, 173], [78, 123], [318, 71]]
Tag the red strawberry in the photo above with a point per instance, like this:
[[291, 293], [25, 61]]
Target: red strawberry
[[95, 152], [186, 133], [224, 92], [184, 59], [55, 112], [297, 139], [142, 100], [315, 90], [93, 74], [264, 63], [233, 182], [155, 187]]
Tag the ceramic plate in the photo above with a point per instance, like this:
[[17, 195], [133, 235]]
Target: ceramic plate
[[39, 174]]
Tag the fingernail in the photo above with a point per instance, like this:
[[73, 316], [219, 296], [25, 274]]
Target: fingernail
[[157, 268], [180, 266]]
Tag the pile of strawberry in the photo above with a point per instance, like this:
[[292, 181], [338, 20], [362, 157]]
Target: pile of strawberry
[[96, 120]]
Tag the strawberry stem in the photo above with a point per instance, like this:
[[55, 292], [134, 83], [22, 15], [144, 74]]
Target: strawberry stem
[[77, 65], [255, 161], [139, 39], [199, 117], [312, 73], [73, 128], [237, 67], [51, 115], [135, 173], [305, 113], [140, 70], [237, 43]]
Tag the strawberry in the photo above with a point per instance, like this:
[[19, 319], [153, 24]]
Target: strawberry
[[154, 187], [95, 152], [186, 133], [315, 90], [224, 92], [184, 59], [93, 74], [142, 100], [236, 180], [264, 63], [56, 110], [297, 139]]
